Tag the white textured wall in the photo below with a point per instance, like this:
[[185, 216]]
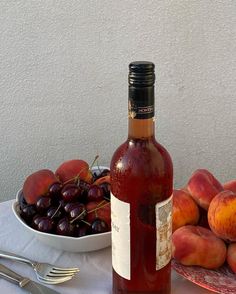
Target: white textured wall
[[63, 82]]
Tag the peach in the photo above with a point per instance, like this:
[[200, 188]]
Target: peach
[[203, 187], [231, 186], [195, 245], [185, 210], [222, 215], [102, 180], [185, 188], [37, 185], [71, 169], [231, 256]]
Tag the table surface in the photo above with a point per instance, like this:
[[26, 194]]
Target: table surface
[[95, 275]]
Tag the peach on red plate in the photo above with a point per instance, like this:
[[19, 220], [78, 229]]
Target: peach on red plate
[[185, 209], [203, 187], [222, 215], [230, 185], [195, 245]]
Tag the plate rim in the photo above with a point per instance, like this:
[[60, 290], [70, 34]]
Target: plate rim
[[175, 264]]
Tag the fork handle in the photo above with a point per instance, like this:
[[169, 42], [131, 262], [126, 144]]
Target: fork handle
[[11, 276], [15, 257]]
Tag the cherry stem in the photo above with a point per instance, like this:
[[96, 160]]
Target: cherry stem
[[95, 159], [78, 216], [56, 211], [101, 203], [87, 223], [98, 207]]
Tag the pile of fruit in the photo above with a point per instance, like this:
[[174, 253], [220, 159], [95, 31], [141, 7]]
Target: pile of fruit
[[204, 222], [73, 201]]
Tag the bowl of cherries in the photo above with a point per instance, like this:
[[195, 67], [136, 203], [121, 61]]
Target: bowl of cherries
[[68, 209]]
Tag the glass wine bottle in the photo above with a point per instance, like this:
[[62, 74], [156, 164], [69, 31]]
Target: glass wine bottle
[[141, 189]]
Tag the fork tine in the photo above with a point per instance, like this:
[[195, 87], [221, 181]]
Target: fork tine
[[54, 281], [52, 275], [66, 268], [64, 272]]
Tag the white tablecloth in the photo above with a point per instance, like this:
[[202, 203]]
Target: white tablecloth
[[95, 275]]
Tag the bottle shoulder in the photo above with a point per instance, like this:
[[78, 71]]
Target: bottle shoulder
[[141, 170], [142, 153]]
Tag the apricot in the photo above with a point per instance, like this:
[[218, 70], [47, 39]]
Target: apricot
[[203, 187], [37, 185], [73, 168], [195, 245], [185, 210], [231, 256], [222, 215], [231, 186]]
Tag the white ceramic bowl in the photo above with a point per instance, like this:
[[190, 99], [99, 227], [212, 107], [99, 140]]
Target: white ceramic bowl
[[71, 244]]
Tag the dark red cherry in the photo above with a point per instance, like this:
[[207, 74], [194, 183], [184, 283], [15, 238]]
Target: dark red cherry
[[35, 221], [84, 191], [45, 224], [62, 202], [22, 201], [55, 189], [70, 192], [28, 212], [64, 227], [106, 187], [54, 212], [43, 204], [99, 226], [68, 206], [95, 193], [105, 172], [100, 173], [77, 211], [82, 230]]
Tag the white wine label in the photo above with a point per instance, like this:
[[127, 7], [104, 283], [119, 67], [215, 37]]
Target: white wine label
[[120, 227], [163, 232]]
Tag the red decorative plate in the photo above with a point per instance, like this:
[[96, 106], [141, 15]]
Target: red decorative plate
[[222, 280]]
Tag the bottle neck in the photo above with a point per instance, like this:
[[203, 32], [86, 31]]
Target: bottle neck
[[141, 112], [141, 128]]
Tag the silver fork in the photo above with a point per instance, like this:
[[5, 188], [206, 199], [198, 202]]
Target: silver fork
[[45, 272]]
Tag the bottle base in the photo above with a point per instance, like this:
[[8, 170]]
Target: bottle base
[[117, 291]]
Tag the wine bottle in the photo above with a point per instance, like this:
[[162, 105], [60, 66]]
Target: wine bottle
[[141, 202]]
